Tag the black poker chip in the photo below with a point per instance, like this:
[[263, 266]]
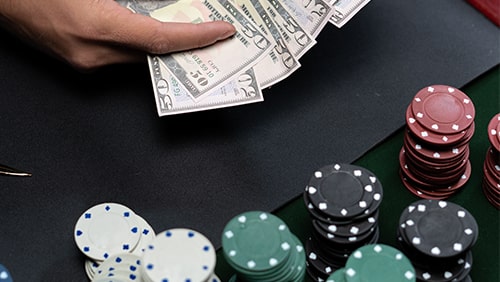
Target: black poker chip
[[437, 236], [355, 227], [431, 219], [342, 191]]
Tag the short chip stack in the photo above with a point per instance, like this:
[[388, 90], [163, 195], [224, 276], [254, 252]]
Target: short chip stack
[[375, 263], [260, 247], [343, 202], [121, 246], [108, 229], [491, 167], [434, 160], [437, 236]]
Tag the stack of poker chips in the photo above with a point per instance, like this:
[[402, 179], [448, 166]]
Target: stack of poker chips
[[121, 246], [343, 202], [437, 237], [109, 229], [260, 247], [434, 160], [491, 167], [375, 262]]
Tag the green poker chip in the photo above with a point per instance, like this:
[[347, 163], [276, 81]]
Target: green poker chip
[[256, 243], [379, 263], [337, 276]]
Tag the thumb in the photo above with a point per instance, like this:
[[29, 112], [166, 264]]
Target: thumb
[[152, 36]]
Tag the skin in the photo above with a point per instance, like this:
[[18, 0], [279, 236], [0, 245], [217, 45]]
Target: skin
[[89, 34]]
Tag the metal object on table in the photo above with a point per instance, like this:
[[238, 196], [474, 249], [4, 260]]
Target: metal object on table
[[6, 170]]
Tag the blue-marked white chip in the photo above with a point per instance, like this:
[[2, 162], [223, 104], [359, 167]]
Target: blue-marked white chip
[[107, 229], [179, 255]]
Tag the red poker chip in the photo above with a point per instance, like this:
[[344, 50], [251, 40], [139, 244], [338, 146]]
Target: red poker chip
[[487, 193], [443, 109], [493, 156], [431, 167], [491, 164], [428, 188], [491, 177], [415, 191], [494, 132], [439, 180], [425, 182], [431, 137], [461, 181], [434, 154]]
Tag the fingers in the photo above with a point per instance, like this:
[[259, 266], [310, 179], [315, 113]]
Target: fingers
[[152, 36], [181, 36]]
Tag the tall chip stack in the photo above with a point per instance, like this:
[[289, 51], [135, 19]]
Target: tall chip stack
[[260, 247], [491, 167], [434, 160], [342, 201], [437, 236]]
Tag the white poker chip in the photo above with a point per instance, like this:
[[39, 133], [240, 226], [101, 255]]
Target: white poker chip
[[179, 255], [107, 229], [213, 278], [125, 266], [91, 268], [147, 236]]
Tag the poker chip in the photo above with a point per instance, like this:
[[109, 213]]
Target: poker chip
[[430, 219], [342, 201], [106, 229], [437, 236], [342, 191], [430, 137], [491, 166], [443, 109], [179, 254], [378, 262], [119, 267], [147, 235], [494, 132], [260, 247], [434, 160], [337, 276], [5, 274], [91, 268]]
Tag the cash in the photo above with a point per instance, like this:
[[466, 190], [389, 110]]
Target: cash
[[271, 36]]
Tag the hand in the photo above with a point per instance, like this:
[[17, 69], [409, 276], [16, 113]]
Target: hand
[[89, 34]]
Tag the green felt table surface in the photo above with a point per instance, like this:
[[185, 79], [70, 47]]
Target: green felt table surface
[[382, 160]]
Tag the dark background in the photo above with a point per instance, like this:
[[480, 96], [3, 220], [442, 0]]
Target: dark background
[[92, 138]]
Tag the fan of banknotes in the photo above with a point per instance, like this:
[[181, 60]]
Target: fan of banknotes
[[271, 36]]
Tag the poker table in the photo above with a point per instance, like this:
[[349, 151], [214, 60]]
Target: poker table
[[90, 138], [383, 161]]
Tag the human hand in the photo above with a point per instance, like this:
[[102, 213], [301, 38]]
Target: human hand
[[89, 34]]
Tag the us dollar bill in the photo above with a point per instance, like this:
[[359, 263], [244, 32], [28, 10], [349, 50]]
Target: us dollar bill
[[144, 7], [280, 62], [312, 15], [298, 40], [345, 11], [172, 98], [201, 70]]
